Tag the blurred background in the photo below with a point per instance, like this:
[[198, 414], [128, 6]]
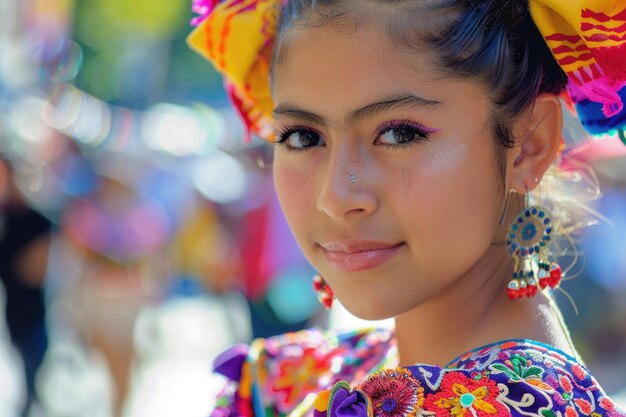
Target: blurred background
[[140, 234]]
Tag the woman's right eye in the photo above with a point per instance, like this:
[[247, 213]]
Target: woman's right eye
[[300, 139]]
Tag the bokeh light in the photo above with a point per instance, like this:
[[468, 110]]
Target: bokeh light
[[220, 178]]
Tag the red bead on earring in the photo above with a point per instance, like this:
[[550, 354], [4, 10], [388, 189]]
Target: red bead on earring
[[324, 292]]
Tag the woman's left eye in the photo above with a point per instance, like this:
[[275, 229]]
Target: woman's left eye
[[401, 134]]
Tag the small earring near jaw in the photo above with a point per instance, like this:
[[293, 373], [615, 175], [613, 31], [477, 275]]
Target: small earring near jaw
[[352, 178]]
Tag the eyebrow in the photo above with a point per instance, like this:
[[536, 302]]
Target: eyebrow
[[393, 102]]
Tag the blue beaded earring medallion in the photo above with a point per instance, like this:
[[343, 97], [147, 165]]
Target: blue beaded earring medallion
[[528, 241]]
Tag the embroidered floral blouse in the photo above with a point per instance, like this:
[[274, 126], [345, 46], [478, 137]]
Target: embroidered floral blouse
[[355, 374]]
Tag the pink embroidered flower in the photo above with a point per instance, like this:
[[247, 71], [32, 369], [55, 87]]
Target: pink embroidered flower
[[394, 393], [461, 396], [607, 404], [565, 383], [559, 357], [552, 381], [584, 406], [579, 372], [485, 351]]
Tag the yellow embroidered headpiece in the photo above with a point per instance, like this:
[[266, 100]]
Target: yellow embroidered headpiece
[[237, 37], [587, 38]]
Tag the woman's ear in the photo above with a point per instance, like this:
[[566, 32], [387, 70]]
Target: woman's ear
[[538, 138]]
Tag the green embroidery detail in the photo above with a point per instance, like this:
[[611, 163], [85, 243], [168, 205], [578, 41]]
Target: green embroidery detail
[[510, 373], [533, 371], [548, 413], [519, 363], [522, 369]]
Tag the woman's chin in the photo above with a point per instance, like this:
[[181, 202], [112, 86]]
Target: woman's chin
[[370, 311]]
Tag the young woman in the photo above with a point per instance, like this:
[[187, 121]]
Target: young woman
[[409, 137]]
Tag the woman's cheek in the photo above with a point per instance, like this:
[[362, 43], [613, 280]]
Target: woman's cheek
[[465, 189], [446, 187], [295, 193]]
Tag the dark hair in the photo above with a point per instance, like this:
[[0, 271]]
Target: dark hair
[[493, 41]]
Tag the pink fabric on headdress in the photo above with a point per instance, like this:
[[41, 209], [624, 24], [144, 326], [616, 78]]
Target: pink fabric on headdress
[[203, 8]]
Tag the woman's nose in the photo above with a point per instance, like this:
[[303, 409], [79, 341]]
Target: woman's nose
[[347, 189]]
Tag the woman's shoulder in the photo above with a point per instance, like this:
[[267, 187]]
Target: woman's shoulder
[[502, 350], [537, 364]]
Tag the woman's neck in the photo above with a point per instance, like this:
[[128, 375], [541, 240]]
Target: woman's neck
[[475, 311]]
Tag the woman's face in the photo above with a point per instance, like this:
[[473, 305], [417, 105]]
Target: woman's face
[[387, 177]]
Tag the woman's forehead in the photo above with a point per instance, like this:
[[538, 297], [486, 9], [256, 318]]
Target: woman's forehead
[[324, 55], [324, 64]]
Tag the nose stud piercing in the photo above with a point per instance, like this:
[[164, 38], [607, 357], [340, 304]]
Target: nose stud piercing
[[352, 178]]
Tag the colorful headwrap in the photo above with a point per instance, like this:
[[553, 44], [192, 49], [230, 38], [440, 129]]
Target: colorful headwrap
[[237, 37], [588, 40], [586, 37]]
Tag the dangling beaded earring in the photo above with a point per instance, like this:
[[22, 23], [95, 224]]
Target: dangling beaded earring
[[324, 292], [528, 239]]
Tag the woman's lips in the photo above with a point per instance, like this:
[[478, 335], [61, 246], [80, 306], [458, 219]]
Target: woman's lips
[[354, 256]]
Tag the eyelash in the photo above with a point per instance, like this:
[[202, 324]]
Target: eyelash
[[281, 136], [422, 132]]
